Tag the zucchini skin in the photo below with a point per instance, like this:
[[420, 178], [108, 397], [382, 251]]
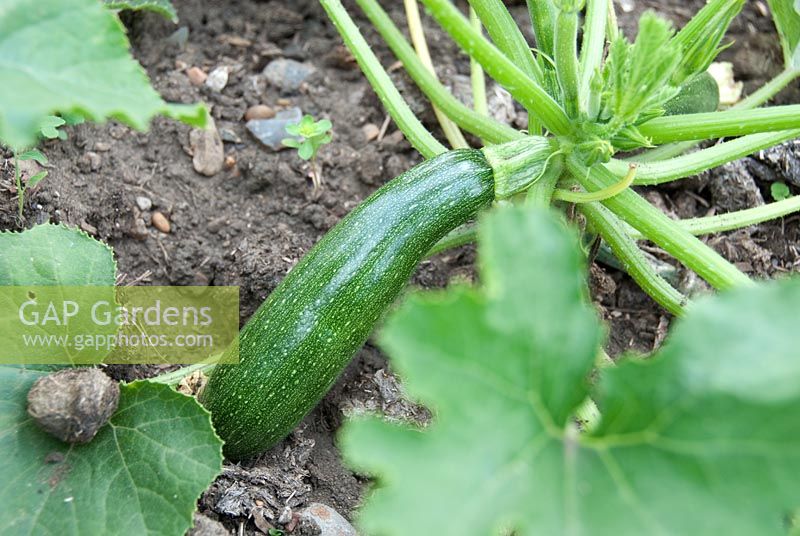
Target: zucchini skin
[[295, 346]]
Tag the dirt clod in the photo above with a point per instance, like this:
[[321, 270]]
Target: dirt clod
[[73, 404], [160, 222]]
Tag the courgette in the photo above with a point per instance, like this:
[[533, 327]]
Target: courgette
[[294, 347], [700, 94]]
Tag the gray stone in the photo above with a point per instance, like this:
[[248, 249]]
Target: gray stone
[[270, 132], [208, 153], [287, 75], [144, 203], [218, 78], [328, 520]]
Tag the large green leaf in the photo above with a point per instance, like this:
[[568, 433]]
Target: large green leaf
[[786, 14], [55, 255], [141, 474], [703, 438], [71, 56], [162, 7]]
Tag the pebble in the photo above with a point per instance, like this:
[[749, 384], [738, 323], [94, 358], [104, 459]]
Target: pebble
[[259, 111], [270, 132], [144, 203], [230, 162], [371, 131], [207, 149], [218, 79], [205, 526], [90, 161], [139, 229], [196, 76], [160, 222], [287, 75], [102, 147], [228, 135], [327, 520]]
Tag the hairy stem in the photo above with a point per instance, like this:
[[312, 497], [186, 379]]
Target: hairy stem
[[566, 57], [657, 227], [592, 46], [530, 94], [633, 261], [477, 78], [479, 124], [697, 162], [714, 125], [417, 134]]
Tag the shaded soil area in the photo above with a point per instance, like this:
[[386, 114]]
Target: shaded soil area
[[250, 223]]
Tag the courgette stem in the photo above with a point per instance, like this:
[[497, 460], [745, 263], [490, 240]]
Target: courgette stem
[[721, 124], [738, 219], [476, 76], [415, 29], [543, 19], [524, 89], [633, 261], [658, 228], [761, 96], [422, 140], [566, 57], [651, 173], [592, 47], [471, 121]]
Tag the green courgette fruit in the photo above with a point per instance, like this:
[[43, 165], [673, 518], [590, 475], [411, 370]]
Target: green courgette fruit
[[296, 344], [698, 95]]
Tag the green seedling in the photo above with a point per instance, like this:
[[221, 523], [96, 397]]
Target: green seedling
[[22, 188], [779, 191], [309, 135]]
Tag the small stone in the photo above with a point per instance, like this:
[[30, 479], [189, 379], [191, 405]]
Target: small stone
[[218, 78], [73, 404], [284, 102], [88, 228], [102, 147], [205, 526], [286, 515], [730, 91], [259, 111], [208, 153], [196, 76], [160, 222], [144, 203], [139, 230], [371, 131], [287, 75], [229, 136], [270, 132], [89, 161], [327, 520], [230, 162], [181, 65]]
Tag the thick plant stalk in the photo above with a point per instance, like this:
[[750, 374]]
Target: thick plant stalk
[[706, 126], [566, 57], [476, 76], [473, 122], [657, 227], [524, 89], [422, 140], [633, 261], [592, 47], [450, 129], [650, 173]]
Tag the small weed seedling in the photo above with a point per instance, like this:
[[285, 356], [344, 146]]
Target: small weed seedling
[[312, 135]]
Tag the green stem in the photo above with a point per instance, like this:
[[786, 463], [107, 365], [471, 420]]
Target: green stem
[[541, 193], [481, 125], [543, 20], [530, 94], [714, 125], [764, 94], [768, 90], [592, 46], [566, 58], [507, 36], [658, 228], [477, 78], [633, 261], [415, 29], [466, 234], [738, 219], [697, 162], [417, 134]]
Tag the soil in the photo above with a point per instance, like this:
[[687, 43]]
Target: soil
[[248, 224]]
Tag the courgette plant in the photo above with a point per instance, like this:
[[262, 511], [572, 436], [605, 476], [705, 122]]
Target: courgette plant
[[617, 113]]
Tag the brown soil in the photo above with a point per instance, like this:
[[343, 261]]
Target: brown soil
[[248, 225]]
